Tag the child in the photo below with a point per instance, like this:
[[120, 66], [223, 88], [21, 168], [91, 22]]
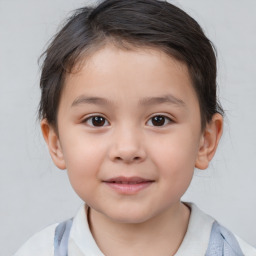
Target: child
[[129, 108]]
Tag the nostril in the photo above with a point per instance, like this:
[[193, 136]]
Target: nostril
[[126, 159]]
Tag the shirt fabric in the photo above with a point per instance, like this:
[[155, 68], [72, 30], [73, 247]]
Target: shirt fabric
[[82, 243]]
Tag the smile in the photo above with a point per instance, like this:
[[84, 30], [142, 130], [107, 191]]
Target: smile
[[128, 185]]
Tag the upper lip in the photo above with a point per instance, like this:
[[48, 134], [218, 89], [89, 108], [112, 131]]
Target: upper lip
[[127, 180]]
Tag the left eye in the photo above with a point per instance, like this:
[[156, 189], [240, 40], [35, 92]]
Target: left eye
[[96, 121], [159, 120]]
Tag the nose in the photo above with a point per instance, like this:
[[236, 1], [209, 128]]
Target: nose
[[127, 146]]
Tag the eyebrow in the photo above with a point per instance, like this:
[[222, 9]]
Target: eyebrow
[[170, 99], [89, 100]]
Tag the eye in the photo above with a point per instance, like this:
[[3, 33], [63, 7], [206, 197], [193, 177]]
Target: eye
[[159, 120], [96, 121]]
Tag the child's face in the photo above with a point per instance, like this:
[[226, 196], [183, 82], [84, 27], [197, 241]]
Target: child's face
[[129, 133]]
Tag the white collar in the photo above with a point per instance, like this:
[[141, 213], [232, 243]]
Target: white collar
[[197, 237], [195, 242], [81, 241]]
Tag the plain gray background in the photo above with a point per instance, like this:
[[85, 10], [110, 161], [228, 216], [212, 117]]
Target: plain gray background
[[34, 193]]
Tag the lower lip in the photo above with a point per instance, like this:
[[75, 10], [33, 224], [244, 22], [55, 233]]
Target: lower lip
[[128, 189]]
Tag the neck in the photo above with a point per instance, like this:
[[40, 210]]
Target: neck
[[160, 235]]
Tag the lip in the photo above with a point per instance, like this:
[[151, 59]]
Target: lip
[[128, 185]]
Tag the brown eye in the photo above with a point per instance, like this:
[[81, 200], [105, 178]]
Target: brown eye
[[97, 121], [159, 120]]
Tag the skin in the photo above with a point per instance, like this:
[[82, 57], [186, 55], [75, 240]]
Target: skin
[[126, 90]]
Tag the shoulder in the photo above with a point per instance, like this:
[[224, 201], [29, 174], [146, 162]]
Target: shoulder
[[205, 236], [40, 244], [222, 240]]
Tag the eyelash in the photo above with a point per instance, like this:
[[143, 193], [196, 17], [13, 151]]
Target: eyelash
[[100, 119], [89, 120], [166, 119]]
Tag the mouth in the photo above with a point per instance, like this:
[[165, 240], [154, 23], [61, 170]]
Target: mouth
[[128, 180], [128, 185]]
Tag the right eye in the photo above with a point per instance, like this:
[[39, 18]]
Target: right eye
[[96, 121]]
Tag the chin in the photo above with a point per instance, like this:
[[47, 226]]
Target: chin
[[127, 213], [129, 217]]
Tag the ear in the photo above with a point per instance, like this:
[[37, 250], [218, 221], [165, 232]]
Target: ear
[[52, 140], [209, 141]]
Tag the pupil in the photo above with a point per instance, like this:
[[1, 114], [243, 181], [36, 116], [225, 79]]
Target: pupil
[[98, 121], [158, 120]]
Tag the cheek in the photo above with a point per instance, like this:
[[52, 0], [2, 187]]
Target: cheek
[[176, 149], [82, 152], [176, 172], [83, 161], [177, 168], [175, 157], [82, 170]]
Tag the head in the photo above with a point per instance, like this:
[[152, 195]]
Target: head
[[129, 96]]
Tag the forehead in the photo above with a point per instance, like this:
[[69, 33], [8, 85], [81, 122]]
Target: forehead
[[129, 73]]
